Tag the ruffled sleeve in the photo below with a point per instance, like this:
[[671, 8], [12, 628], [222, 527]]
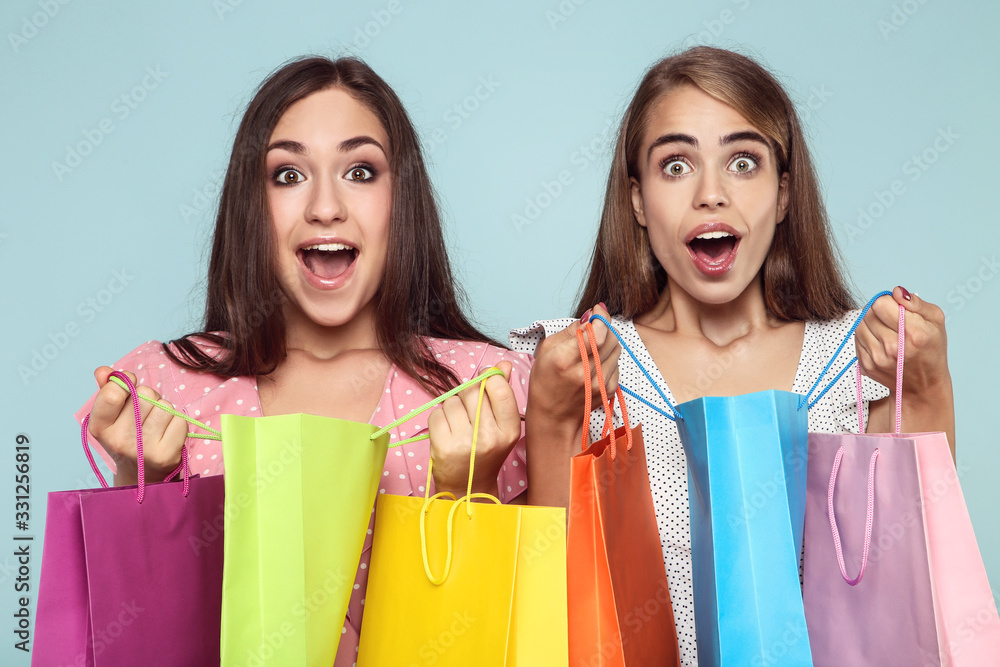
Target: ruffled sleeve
[[528, 338]]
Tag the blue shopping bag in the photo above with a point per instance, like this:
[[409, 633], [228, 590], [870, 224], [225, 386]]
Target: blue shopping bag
[[747, 491], [747, 469]]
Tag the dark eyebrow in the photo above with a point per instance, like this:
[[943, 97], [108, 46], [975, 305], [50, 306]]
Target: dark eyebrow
[[290, 146], [671, 139], [346, 145], [746, 135], [356, 142]]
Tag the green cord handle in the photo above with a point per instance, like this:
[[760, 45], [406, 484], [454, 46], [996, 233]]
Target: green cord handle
[[217, 435], [427, 406], [212, 433]]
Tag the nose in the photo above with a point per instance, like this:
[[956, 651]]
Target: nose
[[326, 202], [711, 192]]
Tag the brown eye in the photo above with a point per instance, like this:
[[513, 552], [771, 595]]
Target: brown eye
[[288, 176], [360, 174]]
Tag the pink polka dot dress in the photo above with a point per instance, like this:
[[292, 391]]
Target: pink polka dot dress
[[206, 397]]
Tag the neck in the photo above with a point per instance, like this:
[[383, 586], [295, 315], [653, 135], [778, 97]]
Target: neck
[[722, 324], [327, 342]]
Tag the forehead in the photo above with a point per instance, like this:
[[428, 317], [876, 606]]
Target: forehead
[[328, 116], [686, 109]]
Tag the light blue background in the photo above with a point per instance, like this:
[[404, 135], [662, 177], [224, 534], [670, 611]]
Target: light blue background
[[874, 94]]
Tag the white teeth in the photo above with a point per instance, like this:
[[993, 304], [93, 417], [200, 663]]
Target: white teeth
[[328, 247], [713, 235]]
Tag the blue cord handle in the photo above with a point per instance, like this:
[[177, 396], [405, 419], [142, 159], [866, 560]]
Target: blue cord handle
[[804, 401], [857, 323], [673, 408]]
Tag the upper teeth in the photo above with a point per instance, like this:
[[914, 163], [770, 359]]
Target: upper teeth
[[713, 235], [329, 247]]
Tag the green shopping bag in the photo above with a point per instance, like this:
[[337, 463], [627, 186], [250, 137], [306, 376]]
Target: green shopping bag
[[299, 496]]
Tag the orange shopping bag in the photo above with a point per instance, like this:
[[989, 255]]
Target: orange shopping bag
[[619, 601]]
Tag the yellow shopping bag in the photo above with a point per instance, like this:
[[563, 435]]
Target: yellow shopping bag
[[465, 583]]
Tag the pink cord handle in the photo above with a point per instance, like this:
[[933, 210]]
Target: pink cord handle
[[900, 346], [870, 515], [141, 491], [869, 518]]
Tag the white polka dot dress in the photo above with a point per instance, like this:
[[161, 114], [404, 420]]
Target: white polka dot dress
[[836, 412]]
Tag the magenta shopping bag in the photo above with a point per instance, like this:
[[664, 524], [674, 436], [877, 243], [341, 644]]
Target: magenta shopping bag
[[132, 575], [893, 574]]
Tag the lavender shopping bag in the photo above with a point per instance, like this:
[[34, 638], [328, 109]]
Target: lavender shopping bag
[[893, 574], [132, 575]]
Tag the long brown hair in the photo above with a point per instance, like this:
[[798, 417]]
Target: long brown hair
[[801, 273], [417, 296]]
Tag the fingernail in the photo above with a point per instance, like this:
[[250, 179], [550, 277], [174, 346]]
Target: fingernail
[[906, 292], [586, 316], [601, 304]]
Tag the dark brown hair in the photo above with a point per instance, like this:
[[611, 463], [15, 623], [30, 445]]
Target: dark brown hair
[[417, 296], [801, 274]]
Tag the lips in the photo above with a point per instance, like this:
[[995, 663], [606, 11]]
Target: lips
[[326, 263], [713, 247]]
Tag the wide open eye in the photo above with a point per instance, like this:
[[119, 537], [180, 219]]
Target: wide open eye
[[288, 176], [743, 164], [360, 174], [676, 167]]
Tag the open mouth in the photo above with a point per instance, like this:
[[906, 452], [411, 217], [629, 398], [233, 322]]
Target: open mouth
[[328, 261], [713, 248]]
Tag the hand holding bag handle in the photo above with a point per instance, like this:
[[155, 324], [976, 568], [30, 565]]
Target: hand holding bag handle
[[870, 514], [587, 389], [122, 380]]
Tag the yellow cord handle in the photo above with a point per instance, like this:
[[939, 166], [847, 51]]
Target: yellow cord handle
[[467, 499]]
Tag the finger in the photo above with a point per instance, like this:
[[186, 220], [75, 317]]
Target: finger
[[456, 412], [108, 406], [162, 447], [470, 399], [438, 426], [146, 407], [101, 374], [884, 310], [505, 367], [876, 350], [504, 412]]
